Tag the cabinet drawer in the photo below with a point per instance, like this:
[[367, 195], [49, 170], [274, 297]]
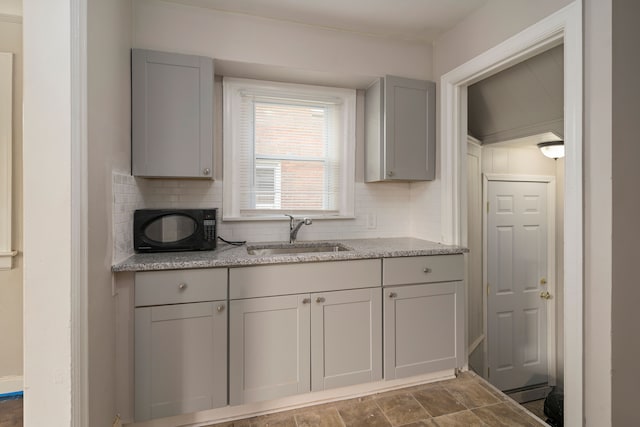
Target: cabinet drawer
[[272, 280], [180, 286], [422, 269]]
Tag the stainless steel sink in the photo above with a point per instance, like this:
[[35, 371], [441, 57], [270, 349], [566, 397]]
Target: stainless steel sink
[[297, 248]]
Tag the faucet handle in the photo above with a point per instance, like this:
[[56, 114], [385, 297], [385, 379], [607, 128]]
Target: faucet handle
[[307, 221]]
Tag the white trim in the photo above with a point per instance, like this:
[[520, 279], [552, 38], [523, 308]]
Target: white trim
[[230, 413], [11, 384], [79, 217], [6, 141], [551, 262], [565, 26], [476, 343], [233, 91]]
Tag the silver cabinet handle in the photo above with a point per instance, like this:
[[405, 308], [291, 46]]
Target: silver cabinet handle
[[306, 300], [220, 308], [320, 299], [427, 270], [206, 171], [182, 286], [392, 295]]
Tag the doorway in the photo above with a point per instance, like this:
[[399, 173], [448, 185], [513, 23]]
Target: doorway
[[565, 26]]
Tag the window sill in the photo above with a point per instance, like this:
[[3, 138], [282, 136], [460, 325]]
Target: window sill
[[282, 217], [6, 260]]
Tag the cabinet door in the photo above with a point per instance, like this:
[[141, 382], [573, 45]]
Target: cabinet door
[[423, 329], [180, 359], [172, 115], [269, 348], [410, 129], [346, 335]]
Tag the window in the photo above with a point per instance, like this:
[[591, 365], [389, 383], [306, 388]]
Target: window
[[288, 148]]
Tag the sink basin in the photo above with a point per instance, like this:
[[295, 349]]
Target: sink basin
[[296, 248]]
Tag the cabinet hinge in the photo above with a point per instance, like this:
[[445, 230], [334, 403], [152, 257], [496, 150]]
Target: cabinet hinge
[[488, 372], [488, 289]]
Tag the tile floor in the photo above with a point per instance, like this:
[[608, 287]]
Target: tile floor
[[466, 401], [11, 413]]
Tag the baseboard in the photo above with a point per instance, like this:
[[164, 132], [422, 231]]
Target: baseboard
[[11, 385]]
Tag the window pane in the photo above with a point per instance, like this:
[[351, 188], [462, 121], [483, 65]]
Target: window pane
[[288, 148], [303, 185], [283, 130]]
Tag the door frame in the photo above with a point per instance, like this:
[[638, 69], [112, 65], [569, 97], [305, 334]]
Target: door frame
[[563, 26], [551, 264]]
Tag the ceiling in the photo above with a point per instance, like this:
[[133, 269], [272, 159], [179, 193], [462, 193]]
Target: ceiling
[[526, 99], [411, 20]]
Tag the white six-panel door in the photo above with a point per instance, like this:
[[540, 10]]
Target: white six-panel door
[[517, 279]]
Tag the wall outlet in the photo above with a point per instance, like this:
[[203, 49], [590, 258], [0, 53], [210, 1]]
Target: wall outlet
[[372, 221]]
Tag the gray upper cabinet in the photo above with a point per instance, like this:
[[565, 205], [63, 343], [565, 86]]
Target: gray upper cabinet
[[400, 130], [172, 115]]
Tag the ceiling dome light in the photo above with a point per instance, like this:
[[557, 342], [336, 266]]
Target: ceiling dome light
[[552, 149]]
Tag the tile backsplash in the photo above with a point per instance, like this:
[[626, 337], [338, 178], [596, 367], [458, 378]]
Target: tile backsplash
[[127, 197], [382, 210]]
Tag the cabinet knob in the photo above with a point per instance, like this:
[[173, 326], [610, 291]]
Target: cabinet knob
[[390, 173], [182, 286], [220, 308], [320, 299], [206, 171], [426, 270], [306, 300], [392, 295]]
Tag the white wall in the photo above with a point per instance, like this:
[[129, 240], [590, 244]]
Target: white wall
[[108, 101], [11, 280], [516, 160], [47, 195], [626, 204], [245, 38], [597, 211]]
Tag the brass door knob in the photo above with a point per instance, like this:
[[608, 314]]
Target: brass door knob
[[545, 295]]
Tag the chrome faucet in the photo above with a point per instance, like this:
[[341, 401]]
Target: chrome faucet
[[293, 229]]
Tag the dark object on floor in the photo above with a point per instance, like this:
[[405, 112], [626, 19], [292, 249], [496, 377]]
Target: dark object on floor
[[554, 407]]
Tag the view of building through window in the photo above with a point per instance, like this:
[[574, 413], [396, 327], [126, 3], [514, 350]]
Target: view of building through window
[[289, 148], [291, 156]]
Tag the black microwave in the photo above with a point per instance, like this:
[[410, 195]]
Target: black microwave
[[166, 230]]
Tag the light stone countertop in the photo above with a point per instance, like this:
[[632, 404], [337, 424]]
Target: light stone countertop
[[233, 256]]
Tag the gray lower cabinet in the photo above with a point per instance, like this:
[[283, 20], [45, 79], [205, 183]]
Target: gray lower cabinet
[[286, 345], [268, 348], [180, 359], [346, 338], [422, 325]]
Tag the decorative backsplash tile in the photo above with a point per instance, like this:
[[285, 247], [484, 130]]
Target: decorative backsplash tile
[[382, 210], [127, 197]]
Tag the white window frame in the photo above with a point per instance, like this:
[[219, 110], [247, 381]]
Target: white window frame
[[6, 117], [232, 89]]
